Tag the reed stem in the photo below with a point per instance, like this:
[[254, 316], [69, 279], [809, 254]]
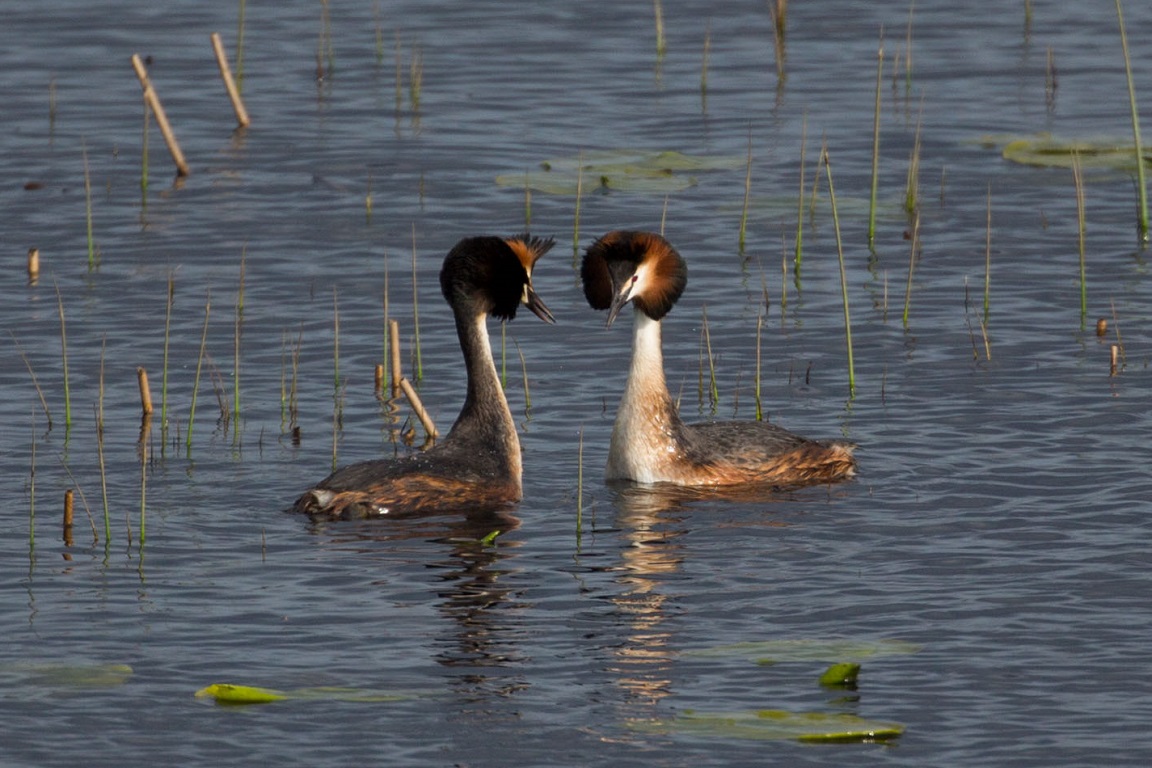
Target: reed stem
[[64, 359], [988, 259], [1081, 227], [164, 373], [747, 195], [416, 313], [843, 276], [876, 146], [800, 197], [153, 102], [88, 211], [196, 379], [1142, 189], [229, 83]]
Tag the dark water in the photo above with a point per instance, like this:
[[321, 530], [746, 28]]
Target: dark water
[[999, 523]]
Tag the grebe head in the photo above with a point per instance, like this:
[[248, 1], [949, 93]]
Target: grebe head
[[494, 275], [638, 267]]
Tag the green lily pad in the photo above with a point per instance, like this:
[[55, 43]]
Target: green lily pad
[[774, 724], [1048, 152], [48, 677], [620, 170], [227, 693], [777, 651], [842, 674]]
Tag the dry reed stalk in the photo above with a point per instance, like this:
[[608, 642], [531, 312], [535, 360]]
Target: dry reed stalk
[[378, 380], [1114, 354], [99, 407], [747, 195], [35, 382], [704, 68], [579, 483], [394, 334], [240, 48], [756, 385], [145, 391], [153, 102], [68, 515], [229, 83], [778, 10], [33, 265], [418, 408], [576, 215], [164, 372]]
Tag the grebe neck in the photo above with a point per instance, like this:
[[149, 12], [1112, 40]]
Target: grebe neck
[[485, 418], [647, 430]]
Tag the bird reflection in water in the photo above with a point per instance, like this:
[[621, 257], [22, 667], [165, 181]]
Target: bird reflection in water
[[473, 586]]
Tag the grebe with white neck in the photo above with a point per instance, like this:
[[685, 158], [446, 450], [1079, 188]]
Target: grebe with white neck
[[650, 443]]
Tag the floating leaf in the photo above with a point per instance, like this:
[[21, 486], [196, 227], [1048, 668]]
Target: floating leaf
[[620, 170], [1048, 152], [776, 651], [227, 693], [63, 676], [842, 674], [774, 724]]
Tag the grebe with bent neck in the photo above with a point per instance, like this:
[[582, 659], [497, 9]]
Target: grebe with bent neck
[[478, 464]]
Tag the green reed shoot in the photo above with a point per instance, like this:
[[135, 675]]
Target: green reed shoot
[[88, 211], [64, 358], [912, 253], [379, 33], [747, 196], [335, 340], [399, 73], [384, 299], [524, 372], [100, 447], [579, 484], [503, 355], [415, 77], [324, 52], [196, 378], [661, 43], [876, 146], [1142, 189], [756, 385], [800, 199], [240, 48], [843, 274], [416, 313], [237, 333], [908, 47], [164, 372], [988, 258], [704, 68], [1078, 179], [144, 156], [912, 189], [713, 390], [576, 215]]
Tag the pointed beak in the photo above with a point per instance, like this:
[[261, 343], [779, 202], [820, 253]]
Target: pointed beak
[[534, 303], [622, 297]]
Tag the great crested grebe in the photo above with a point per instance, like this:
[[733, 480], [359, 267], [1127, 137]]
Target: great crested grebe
[[650, 444], [478, 463]]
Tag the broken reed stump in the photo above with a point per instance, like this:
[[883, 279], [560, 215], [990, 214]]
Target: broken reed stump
[[229, 82], [153, 102], [394, 336], [418, 407], [68, 504], [145, 391], [33, 265]]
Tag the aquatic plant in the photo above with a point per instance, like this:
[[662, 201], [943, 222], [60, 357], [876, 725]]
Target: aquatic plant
[[1141, 185]]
